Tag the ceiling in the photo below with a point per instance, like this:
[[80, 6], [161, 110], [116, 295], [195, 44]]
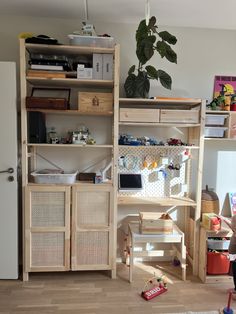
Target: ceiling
[[216, 14]]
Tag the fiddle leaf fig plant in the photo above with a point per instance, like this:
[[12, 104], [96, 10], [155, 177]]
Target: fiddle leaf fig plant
[[149, 41]]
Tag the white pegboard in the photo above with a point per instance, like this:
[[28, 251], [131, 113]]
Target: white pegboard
[[155, 184]]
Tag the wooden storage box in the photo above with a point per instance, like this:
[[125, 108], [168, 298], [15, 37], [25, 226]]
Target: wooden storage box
[[95, 102], [155, 223], [211, 221], [179, 116], [139, 115]]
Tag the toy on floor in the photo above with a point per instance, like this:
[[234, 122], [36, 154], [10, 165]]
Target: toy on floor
[[228, 310], [159, 286]]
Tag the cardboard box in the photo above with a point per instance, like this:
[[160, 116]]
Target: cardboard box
[[95, 102], [155, 223], [211, 221]]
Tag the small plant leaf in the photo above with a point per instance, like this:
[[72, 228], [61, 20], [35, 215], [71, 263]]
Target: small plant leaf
[[166, 51], [142, 31], [152, 22], [142, 85], [165, 79], [130, 85], [131, 70], [152, 72], [166, 36]]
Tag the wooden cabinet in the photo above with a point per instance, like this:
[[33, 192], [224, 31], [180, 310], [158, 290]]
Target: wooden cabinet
[[204, 235], [47, 228], [69, 226], [92, 231], [172, 173]]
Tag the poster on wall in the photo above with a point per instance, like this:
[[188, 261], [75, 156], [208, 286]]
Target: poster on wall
[[224, 85], [232, 202]]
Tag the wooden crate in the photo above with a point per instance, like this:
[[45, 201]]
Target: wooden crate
[[99, 102], [151, 223], [139, 115], [179, 116]]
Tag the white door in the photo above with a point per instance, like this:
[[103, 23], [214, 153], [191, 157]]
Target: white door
[[8, 173]]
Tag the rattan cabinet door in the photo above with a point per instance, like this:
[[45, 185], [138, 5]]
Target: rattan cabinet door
[[47, 228], [92, 227]]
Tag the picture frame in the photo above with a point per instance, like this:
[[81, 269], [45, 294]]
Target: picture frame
[[232, 202]]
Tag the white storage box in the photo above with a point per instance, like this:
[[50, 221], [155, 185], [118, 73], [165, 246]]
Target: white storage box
[[215, 119], [91, 41], [214, 131], [218, 244], [54, 178]]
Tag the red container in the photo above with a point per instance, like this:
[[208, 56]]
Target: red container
[[217, 263], [233, 107]]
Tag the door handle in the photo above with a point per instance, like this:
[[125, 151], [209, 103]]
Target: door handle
[[9, 170]]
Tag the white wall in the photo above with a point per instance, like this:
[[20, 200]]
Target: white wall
[[202, 53]]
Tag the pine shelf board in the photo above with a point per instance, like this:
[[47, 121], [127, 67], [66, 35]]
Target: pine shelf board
[[158, 146], [73, 112], [66, 49], [69, 145], [69, 82], [157, 201], [161, 100], [159, 124]]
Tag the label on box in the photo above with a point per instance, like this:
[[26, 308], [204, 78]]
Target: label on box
[[107, 66], [97, 66]]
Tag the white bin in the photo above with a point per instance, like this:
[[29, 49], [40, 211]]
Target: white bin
[[54, 178], [214, 131], [218, 244], [215, 119], [91, 41]]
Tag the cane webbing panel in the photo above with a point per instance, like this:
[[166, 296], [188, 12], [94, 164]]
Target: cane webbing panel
[[48, 209], [156, 183], [92, 248], [47, 249], [93, 208]]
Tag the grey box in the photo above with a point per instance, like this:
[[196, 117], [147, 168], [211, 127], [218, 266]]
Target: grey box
[[97, 66], [107, 66]]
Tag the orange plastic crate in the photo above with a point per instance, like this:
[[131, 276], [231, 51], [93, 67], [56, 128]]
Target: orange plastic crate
[[217, 263]]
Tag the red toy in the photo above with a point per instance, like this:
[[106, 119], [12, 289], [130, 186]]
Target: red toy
[[158, 288]]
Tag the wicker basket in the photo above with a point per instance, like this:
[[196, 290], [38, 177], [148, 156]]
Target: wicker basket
[[210, 202]]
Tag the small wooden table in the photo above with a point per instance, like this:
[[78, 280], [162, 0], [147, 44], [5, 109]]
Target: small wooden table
[[135, 237]]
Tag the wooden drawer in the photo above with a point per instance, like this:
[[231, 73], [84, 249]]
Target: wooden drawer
[[179, 116], [95, 102], [139, 115]]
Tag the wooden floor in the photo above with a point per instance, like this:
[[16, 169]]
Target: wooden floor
[[95, 292]]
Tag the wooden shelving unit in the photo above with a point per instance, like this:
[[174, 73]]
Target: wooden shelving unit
[[69, 226], [176, 118]]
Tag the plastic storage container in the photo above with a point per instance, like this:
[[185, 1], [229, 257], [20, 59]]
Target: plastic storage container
[[217, 263], [54, 178], [218, 244], [91, 41], [214, 131], [215, 119]]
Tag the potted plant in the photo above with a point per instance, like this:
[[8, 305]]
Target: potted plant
[[149, 40]]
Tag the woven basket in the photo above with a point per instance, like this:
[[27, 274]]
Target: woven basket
[[210, 202]]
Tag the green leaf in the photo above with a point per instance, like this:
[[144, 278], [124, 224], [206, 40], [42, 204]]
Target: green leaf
[[142, 85], [166, 51], [152, 72], [152, 22], [166, 36], [131, 70], [145, 49], [142, 31], [130, 85], [165, 79]]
